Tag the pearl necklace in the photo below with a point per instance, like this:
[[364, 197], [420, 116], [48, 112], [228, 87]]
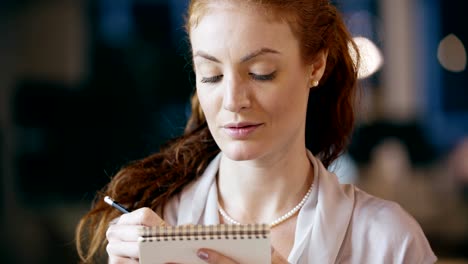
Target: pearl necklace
[[279, 220]]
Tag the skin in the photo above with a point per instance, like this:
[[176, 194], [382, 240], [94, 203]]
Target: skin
[[248, 69]]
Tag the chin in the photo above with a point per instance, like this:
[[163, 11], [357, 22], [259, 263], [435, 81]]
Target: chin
[[241, 151]]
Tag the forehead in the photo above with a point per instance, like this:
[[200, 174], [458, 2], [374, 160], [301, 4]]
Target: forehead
[[224, 26]]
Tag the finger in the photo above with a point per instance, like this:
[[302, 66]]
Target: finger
[[122, 260], [211, 256], [123, 233], [276, 257], [114, 221], [143, 216], [123, 249]]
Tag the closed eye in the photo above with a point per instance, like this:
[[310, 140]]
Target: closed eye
[[213, 79], [267, 77]]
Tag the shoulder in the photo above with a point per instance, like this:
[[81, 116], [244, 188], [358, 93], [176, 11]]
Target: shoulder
[[378, 213], [387, 230], [189, 206]]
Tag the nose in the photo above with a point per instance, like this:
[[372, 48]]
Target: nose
[[236, 96]]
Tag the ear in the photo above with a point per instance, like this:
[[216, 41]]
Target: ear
[[317, 67]]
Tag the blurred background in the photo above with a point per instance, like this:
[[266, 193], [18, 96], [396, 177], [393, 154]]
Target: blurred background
[[89, 85]]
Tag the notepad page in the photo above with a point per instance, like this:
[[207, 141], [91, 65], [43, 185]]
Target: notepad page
[[253, 250]]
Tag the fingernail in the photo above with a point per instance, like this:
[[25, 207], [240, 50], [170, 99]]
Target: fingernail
[[203, 255]]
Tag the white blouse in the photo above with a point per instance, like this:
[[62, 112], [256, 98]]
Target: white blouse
[[337, 224]]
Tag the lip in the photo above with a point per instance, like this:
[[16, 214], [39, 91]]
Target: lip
[[241, 130]]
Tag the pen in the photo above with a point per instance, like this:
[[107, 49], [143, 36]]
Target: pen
[[116, 205]]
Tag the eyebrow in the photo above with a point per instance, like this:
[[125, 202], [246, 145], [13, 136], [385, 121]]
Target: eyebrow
[[243, 59]]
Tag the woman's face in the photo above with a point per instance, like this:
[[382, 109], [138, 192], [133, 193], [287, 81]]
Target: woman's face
[[251, 82]]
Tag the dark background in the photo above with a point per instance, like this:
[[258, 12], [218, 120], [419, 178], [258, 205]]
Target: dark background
[[87, 86]]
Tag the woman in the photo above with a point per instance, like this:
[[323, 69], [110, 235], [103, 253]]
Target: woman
[[273, 108]]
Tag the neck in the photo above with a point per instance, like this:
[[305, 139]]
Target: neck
[[259, 191]]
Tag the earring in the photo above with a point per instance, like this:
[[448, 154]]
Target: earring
[[315, 83]]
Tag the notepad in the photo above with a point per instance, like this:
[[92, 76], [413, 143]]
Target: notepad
[[242, 243]]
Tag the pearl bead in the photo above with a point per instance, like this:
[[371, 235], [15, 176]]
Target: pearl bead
[[277, 221]]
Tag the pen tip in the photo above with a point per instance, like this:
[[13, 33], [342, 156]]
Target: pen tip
[[108, 200]]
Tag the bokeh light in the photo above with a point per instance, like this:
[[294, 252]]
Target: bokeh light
[[452, 54], [371, 58]]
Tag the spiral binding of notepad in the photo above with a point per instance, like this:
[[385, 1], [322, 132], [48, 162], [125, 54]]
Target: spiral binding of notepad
[[204, 232]]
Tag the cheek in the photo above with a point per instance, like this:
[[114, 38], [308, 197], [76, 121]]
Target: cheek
[[207, 102], [202, 100], [291, 102]]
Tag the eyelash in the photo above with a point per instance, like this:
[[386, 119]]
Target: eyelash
[[213, 79], [262, 78], [267, 77]]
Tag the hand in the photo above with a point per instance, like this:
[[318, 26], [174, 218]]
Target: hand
[[123, 235], [213, 257]]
